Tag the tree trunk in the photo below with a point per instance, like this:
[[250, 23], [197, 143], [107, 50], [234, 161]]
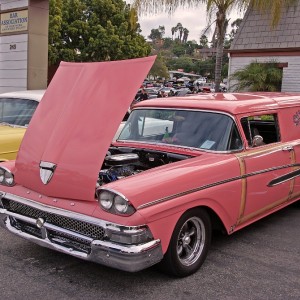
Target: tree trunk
[[221, 17]]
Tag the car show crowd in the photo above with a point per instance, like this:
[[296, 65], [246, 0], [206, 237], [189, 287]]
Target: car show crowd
[[170, 88]]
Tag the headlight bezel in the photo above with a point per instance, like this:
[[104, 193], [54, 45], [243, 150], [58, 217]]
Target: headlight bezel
[[6, 177], [120, 204]]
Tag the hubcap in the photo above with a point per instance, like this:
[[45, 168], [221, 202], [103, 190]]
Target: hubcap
[[191, 240]]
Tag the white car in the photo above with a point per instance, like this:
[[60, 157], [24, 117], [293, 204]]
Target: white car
[[200, 81], [17, 108]]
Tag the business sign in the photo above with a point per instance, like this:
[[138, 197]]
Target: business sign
[[14, 21]]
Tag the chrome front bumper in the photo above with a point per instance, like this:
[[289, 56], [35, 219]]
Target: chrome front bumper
[[129, 258]]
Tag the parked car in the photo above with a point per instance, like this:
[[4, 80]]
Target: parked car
[[180, 168], [206, 87], [16, 110], [200, 80], [169, 91]]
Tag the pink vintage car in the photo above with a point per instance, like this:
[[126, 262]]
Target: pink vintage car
[[180, 168]]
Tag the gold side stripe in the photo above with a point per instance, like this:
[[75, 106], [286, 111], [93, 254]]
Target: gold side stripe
[[164, 199]]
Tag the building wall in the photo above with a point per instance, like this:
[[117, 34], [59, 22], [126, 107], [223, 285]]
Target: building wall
[[291, 74], [12, 4], [13, 62], [24, 54]]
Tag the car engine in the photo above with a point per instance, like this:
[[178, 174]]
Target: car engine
[[124, 162]]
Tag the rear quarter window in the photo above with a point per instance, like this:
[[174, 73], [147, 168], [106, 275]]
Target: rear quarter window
[[265, 126]]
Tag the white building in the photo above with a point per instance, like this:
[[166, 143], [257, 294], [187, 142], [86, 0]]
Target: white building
[[257, 41]]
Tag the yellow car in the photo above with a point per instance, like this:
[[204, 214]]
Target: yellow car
[[16, 110]]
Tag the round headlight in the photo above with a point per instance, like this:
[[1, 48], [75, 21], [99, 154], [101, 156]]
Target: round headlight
[[8, 178], [106, 200], [121, 205], [2, 172]]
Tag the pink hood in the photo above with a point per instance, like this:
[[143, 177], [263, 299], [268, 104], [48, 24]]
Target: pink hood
[[75, 123]]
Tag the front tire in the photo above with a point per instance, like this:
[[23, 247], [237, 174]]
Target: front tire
[[189, 244]]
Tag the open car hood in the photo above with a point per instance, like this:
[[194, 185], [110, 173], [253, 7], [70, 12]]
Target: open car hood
[[69, 135]]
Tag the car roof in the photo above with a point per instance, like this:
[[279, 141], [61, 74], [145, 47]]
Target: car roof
[[233, 103], [27, 94]]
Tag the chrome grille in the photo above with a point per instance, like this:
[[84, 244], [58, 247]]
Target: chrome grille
[[81, 227], [70, 241], [25, 227]]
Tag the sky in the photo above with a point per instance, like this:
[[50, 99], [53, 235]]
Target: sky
[[193, 19]]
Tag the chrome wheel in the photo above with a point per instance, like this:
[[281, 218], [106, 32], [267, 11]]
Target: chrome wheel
[[191, 241]]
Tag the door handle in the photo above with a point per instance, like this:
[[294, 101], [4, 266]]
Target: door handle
[[287, 148]]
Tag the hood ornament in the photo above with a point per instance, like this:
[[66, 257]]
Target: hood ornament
[[46, 171]]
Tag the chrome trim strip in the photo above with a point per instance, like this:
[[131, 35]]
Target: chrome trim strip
[[6, 169], [215, 184], [112, 191], [130, 258], [284, 178], [45, 225], [186, 147], [70, 214]]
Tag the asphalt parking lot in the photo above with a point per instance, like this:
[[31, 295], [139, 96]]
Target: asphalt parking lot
[[261, 261]]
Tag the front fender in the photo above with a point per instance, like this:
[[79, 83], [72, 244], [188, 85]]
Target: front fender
[[162, 217]]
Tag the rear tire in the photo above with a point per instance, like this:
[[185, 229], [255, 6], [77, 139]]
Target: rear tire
[[189, 244]]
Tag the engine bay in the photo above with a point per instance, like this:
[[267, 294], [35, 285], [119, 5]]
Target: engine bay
[[122, 162]]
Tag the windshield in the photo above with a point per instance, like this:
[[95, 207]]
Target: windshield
[[197, 129], [15, 111]]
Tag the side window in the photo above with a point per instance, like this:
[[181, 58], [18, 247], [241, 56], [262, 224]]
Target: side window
[[235, 142], [261, 129], [18, 111]]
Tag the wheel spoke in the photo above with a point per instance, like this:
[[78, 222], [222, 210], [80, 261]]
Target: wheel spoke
[[192, 231], [189, 243], [179, 250], [185, 229], [188, 250]]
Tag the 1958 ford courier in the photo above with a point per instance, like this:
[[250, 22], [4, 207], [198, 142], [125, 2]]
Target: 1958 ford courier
[[180, 168]]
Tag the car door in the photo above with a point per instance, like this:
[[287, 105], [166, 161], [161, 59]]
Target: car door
[[261, 167]]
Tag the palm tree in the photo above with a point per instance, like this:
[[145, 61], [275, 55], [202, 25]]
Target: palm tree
[[219, 9], [259, 77], [179, 28], [173, 30], [185, 35]]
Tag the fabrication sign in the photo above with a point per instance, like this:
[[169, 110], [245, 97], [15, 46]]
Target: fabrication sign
[[14, 21]]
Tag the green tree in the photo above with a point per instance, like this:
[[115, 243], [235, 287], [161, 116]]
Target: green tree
[[218, 10], [185, 63], [159, 68], [94, 30], [168, 43], [203, 41], [157, 34], [258, 77], [179, 50], [54, 35]]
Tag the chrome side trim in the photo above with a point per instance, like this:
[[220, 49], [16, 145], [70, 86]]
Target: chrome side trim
[[129, 258], [45, 225], [187, 147], [69, 214], [284, 178], [204, 187]]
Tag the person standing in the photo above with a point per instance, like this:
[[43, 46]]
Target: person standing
[[144, 95]]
